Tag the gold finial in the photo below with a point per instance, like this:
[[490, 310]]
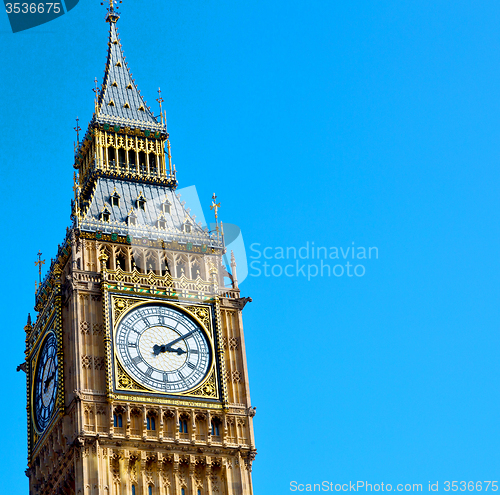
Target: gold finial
[[76, 185], [95, 89], [160, 100], [77, 129], [215, 206], [113, 14], [39, 263]]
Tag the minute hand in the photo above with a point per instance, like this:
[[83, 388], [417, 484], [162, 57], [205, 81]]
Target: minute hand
[[170, 344]]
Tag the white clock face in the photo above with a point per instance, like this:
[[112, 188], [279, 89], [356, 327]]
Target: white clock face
[[162, 348], [46, 378]]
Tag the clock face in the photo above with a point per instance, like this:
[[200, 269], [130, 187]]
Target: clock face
[[163, 349], [46, 380]]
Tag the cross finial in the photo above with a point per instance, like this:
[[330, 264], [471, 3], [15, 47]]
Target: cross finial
[[95, 88], [39, 263], [77, 129]]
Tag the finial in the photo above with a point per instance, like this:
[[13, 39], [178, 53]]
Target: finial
[[77, 129], [233, 270], [112, 15], [160, 100], [215, 206], [95, 89], [39, 263], [29, 319], [76, 186]]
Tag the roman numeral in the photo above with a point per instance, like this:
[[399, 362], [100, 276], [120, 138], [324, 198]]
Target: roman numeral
[[132, 344], [149, 372], [191, 365], [137, 359]]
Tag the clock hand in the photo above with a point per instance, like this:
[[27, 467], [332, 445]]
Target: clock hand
[[168, 347], [49, 379], [182, 337], [164, 348]]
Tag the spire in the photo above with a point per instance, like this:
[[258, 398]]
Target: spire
[[119, 100]]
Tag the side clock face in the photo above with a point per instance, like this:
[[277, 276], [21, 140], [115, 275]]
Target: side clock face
[[163, 349], [46, 380]]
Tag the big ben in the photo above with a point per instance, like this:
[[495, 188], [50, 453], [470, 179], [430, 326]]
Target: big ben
[[136, 369]]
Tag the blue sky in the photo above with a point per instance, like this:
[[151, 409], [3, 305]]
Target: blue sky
[[328, 122]]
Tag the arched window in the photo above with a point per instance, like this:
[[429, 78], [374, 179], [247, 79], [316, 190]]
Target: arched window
[[133, 489], [111, 157], [142, 162], [131, 161], [215, 428], [120, 261], [150, 490], [150, 423], [152, 164], [183, 492], [141, 201], [117, 420], [122, 163], [115, 198], [165, 207], [183, 426], [132, 217], [105, 214]]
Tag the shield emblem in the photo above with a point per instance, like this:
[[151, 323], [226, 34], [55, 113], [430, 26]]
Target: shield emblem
[[204, 248], [189, 246]]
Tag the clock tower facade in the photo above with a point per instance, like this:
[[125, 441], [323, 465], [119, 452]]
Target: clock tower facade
[[137, 380]]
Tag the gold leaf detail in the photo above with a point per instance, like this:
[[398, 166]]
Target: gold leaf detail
[[122, 304], [208, 389], [125, 381], [200, 312]]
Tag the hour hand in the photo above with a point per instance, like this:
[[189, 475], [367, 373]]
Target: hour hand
[[158, 348], [167, 348], [47, 382]]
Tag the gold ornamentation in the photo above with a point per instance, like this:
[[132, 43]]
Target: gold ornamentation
[[208, 389], [125, 381], [122, 304], [201, 313]]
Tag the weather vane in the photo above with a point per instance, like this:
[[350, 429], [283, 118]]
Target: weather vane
[[39, 263], [215, 206]]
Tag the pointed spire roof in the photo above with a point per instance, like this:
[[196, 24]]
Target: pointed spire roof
[[120, 101]]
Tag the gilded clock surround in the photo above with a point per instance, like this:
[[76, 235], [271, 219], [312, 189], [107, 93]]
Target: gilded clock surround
[[202, 314]]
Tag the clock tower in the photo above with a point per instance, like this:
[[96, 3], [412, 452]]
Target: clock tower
[[136, 371]]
